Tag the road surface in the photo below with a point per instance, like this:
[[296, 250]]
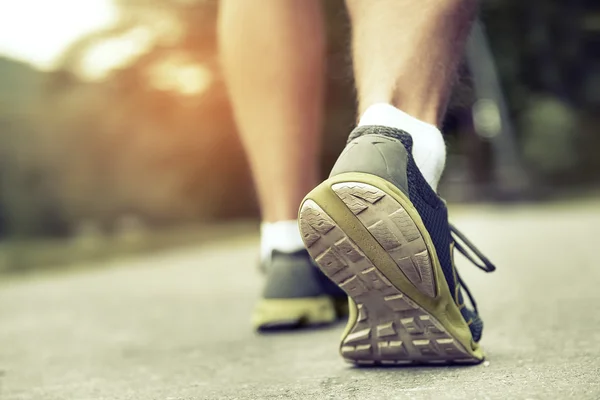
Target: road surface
[[175, 325]]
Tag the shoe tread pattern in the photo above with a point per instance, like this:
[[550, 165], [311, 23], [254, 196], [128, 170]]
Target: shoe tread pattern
[[390, 328]]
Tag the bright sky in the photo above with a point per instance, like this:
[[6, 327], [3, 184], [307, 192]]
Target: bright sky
[[37, 31]]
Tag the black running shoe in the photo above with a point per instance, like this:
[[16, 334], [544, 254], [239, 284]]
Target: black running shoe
[[297, 295], [378, 230]]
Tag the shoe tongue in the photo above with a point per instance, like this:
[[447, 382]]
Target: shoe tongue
[[387, 131]]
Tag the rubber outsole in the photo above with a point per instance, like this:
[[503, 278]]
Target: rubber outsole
[[283, 314], [366, 236]]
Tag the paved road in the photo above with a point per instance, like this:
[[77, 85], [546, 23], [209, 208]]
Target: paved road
[[175, 325]]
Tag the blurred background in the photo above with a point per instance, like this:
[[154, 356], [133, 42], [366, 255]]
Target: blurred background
[[116, 134]]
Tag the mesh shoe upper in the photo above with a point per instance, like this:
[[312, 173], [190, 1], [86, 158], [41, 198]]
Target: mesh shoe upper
[[293, 275], [432, 210]]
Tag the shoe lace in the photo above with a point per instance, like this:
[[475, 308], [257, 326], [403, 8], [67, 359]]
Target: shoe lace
[[474, 255]]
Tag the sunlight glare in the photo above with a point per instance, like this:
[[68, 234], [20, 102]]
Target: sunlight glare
[[38, 31]]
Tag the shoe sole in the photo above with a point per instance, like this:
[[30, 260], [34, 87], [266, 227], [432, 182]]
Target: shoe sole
[[287, 314], [367, 237]]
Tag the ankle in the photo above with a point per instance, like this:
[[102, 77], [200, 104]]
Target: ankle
[[282, 236], [429, 150]]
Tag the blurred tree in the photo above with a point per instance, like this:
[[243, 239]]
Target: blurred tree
[[547, 56], [155, 137], [27, 200]]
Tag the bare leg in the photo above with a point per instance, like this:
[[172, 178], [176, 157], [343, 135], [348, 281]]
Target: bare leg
[[406, 52], [273, 58]]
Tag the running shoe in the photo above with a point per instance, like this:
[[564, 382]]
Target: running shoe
[[379, 231], [297, 295]]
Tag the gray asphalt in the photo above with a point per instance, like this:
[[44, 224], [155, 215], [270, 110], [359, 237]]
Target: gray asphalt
[[176, 325]]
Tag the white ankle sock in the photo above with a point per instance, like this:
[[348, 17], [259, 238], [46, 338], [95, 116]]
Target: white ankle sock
[[429, 149], [281, 235]]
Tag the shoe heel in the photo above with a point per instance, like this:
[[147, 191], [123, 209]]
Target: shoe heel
[[363, 238]]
